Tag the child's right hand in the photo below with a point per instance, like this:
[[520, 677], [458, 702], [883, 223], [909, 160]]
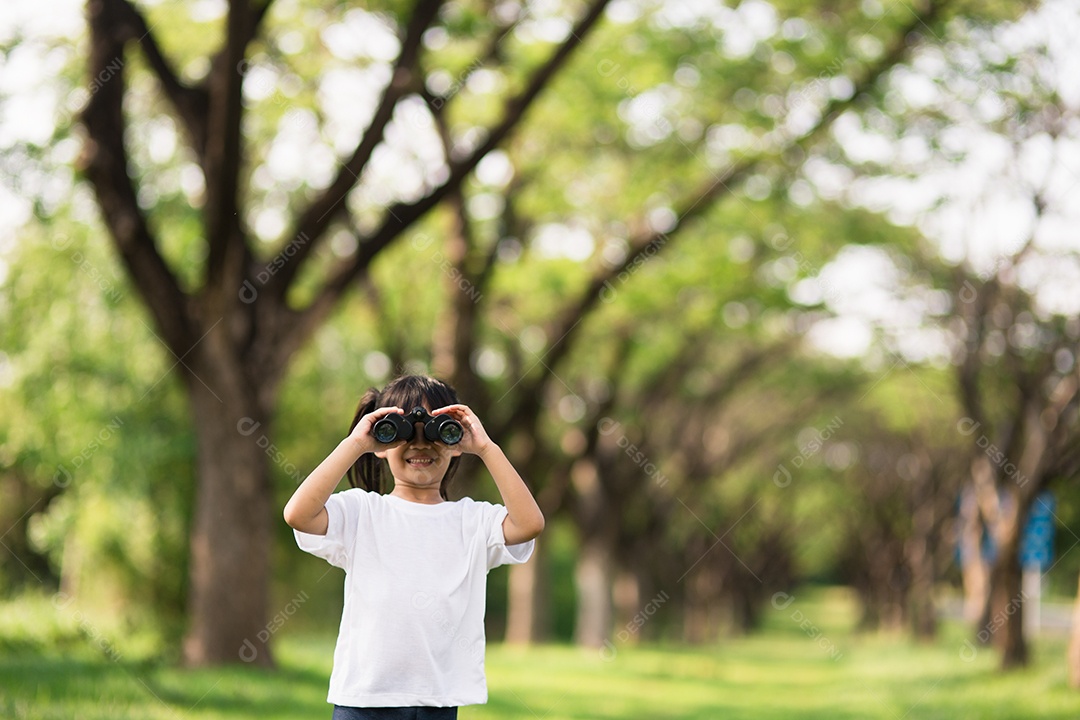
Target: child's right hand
[[361, 434]]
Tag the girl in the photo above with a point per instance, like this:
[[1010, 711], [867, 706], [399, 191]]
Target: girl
[[411, 640]]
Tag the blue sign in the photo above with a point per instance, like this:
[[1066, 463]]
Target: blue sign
[[1037, 541]]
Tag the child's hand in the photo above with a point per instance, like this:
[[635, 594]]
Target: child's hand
[[361, 434], [475, 439]]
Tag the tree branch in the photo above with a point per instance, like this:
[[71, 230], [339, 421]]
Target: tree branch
[[437, 103], [313, 222], [973, 303], [515, 107], [258, 16], [104, 162], [221, 164], [717, 186], [402, 216], [190, 103]]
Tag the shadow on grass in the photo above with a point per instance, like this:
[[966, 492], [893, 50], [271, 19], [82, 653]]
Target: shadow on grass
[[759, 678], [45, 684]]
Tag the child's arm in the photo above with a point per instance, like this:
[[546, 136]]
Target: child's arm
[[306, 509], [524, 521]]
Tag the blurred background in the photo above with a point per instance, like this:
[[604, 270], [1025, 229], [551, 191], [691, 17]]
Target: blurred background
[[769, 302]]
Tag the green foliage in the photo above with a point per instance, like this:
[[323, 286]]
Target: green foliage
[[95, 427]]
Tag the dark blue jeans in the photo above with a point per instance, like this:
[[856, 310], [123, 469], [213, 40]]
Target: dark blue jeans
[[395, 713]]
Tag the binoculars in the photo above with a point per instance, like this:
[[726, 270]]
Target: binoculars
[[393, 427]]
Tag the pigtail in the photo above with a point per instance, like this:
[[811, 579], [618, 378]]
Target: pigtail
[[366, 472]]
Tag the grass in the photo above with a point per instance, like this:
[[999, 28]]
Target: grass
[[804, 664]]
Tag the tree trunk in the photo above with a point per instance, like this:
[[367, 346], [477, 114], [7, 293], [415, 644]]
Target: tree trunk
[[19, 502], [527, 614], [626, 595], [707, 608], [921, 612], [1074, 645], [975, 574], [1005, 625], [231, 538], [592, 578], [920, 560]]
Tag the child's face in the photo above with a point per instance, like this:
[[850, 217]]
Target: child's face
[[419, 463]]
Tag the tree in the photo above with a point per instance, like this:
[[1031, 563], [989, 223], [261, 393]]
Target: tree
[[1009, 333], [1024, 439], [897, 537], [235, 328]]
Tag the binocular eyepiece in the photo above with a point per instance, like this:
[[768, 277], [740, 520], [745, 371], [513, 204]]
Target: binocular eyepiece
[[393, 427]]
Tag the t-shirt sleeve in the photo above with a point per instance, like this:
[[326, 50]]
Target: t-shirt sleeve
[[498, 552], [337, 544]]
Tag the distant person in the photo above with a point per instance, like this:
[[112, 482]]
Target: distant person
[[411, 640]]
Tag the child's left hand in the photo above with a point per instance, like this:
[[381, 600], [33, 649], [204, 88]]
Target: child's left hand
[[475, 439]]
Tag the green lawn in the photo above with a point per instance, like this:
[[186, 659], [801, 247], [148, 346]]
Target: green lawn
[[804, 664]]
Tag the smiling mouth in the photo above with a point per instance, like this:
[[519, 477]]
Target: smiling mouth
[[420, 461]]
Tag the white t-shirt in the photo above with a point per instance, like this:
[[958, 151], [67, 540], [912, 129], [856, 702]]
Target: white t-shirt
[[412, 629]]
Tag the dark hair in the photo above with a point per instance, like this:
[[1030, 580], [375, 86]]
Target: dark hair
[[406, 392]]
